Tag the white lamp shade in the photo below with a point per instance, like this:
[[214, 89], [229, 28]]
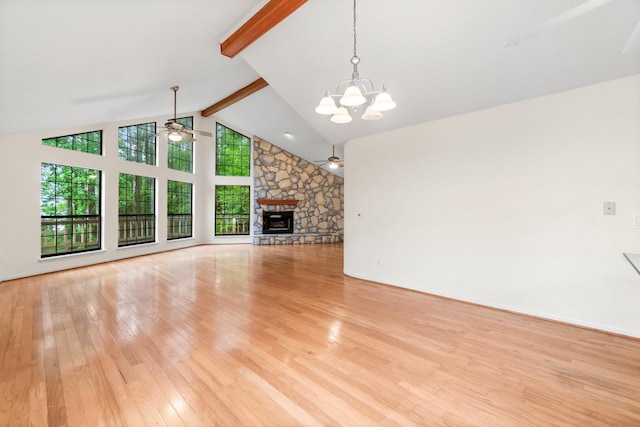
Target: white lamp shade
[[333, 165], [175, 136], [326, 106], [383, 101], [371, 114], [352, 97], [341, 116]]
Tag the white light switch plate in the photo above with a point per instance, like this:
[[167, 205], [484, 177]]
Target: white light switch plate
[[609, 208]]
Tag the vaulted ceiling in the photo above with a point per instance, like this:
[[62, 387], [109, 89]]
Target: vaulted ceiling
[[70, 63]]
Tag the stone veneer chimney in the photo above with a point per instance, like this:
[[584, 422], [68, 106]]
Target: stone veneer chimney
[[318, 215]]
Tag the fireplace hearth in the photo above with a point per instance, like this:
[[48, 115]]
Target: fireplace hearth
[[277, 222]]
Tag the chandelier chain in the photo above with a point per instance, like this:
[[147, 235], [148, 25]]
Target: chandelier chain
[[354, 28]]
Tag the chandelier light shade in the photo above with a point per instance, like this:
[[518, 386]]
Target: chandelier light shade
[[355, 92], [383, 101], [327, 105], [371, 114], [352, 97], [341, 115]]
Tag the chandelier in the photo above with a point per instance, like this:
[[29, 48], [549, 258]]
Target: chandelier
[[355, 92]]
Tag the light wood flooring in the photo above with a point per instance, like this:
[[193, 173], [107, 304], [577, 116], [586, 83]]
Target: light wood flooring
[[277, 336]]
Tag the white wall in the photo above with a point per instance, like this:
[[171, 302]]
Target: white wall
[[504, 207], [20, 160]]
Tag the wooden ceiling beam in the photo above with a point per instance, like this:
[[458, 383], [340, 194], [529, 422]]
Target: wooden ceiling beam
[[235, 97], [271, 14]]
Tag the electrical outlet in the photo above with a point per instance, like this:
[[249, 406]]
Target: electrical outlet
[[609, 208]]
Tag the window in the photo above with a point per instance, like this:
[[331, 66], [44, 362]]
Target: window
[[88, 142], [137, 143], [232, 209], [136, 210], [180, 154], [179, 207], [233, 152], [69, 210]]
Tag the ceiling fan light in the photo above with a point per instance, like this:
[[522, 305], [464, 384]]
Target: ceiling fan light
[[352, 97], [326, 106], [341, 116], [371, 114], [383, 101], [333, 165], [175, 136]]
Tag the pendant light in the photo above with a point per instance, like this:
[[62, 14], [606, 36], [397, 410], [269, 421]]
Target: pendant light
[[354, 92]]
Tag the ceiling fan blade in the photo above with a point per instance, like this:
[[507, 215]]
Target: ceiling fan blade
[[634, 41], [186, 136], [199, 132], [567, 16]]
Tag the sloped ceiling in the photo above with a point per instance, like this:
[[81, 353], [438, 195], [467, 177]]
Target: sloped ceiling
[[77, 62]]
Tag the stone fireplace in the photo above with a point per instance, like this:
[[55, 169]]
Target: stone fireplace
[[314, 197], [277, 222]]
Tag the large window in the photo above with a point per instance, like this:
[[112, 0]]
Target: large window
[[179, 210], [180, 153], [233, 152], [137, 143], [69, 210], [136, 210], [88, 142], [232, 209]]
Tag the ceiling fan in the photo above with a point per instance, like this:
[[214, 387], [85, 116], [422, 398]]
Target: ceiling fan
[[176, 131], [333, 161], [571, 14]]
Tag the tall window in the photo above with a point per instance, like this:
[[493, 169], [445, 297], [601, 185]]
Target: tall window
[[232, 209], [233, 152], [136, 210], [180, 153], [69, 210], [137, 143], [88, 142], [179, 210]]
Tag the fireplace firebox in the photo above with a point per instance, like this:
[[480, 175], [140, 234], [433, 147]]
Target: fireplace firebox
[[277, 222]]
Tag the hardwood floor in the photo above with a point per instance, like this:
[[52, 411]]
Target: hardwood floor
[[277, 336]]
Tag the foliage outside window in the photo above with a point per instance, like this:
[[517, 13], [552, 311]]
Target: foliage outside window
[[233, 152], [137, 143], [232, 210], [136, 210], [88, 142], [69, 210], [179, 210], [180, 153]]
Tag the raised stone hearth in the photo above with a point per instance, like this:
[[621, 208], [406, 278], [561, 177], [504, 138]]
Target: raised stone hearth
[[295, 239], [282, 176]]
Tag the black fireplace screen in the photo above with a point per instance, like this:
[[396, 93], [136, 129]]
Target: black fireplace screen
[[277, 222]]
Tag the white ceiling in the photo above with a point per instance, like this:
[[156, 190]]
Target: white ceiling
[[71, 63]]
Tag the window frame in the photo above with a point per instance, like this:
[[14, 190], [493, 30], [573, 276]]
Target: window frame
[[229, 220], [183, 146], [146, 157], [185, 219], [76, 138], [89, 224], [138, 221], [240, 151]]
